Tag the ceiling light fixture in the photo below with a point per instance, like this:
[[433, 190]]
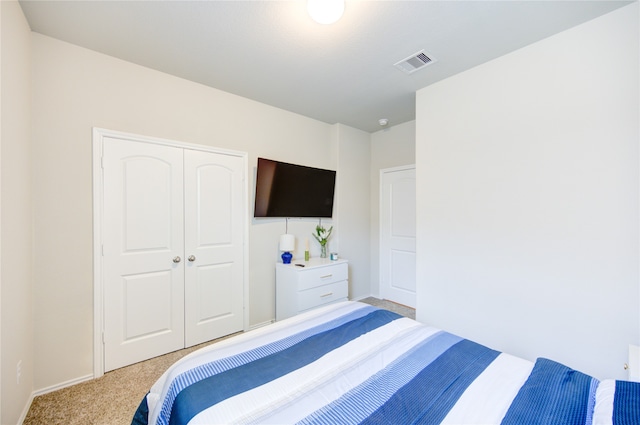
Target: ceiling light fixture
[[325, 11]]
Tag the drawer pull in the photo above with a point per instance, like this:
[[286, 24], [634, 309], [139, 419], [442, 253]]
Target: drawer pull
[[326, 295], [326, 276]]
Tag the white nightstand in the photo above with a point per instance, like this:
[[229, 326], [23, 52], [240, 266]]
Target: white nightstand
[[320, 282]]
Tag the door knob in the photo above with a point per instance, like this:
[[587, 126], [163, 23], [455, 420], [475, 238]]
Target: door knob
[[192, 258], [176, 259]]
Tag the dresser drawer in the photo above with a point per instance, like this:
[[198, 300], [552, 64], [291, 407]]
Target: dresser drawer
[[321, 295], [303, 285], [320, 276]]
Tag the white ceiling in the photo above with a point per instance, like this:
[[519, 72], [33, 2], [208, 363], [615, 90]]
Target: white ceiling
[[272, 52]]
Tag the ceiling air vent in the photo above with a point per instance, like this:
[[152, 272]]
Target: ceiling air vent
[[414, 62]]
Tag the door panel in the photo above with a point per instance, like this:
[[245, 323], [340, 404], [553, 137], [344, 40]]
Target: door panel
[[398, 241], [213, 197], [143, 233], [402, 271], [149, 293], [214, 241], [147, 210], [213, 292]]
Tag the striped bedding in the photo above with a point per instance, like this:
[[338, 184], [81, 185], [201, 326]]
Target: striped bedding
[[351, 363]]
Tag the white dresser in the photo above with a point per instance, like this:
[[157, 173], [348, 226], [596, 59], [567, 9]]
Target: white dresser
[[320, 282]]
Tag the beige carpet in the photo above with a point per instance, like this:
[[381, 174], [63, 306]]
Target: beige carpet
[[113, 398]]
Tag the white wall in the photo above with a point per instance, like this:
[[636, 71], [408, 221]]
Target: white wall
[[392, 147], [354, 157], [75, 89], [527, 175], [15, 190]]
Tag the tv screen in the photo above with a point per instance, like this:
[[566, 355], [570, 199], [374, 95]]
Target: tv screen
[[289, 190]]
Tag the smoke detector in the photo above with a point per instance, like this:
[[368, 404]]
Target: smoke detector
[[414, 62]]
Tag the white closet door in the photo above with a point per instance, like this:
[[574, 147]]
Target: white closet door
[[213, 245], [398, 235], [143, 247]]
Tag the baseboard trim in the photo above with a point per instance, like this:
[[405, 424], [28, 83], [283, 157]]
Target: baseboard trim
[[25, 411], [261, 325], [51, 389], [62, 385]]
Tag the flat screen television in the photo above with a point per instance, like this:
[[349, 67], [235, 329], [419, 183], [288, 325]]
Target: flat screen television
[[290, 190]]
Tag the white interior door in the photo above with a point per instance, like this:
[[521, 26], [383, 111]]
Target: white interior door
[[143, 245], [398, 235], [213, 245]]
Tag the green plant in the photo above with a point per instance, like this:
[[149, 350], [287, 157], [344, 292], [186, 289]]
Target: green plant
[[322, 234]]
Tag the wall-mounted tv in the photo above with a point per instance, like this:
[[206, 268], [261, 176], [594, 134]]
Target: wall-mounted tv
[[290, 190]]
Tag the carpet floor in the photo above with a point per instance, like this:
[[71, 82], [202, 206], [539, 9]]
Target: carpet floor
[[113, 398]]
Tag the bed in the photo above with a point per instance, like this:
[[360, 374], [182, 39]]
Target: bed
[[354, 363]]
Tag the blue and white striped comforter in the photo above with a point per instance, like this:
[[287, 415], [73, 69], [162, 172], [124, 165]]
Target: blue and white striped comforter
[[353, 363]]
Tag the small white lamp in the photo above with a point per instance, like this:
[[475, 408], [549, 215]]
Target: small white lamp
[[287, 244]]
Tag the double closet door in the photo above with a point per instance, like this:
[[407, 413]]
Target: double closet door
[[172, 248]]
